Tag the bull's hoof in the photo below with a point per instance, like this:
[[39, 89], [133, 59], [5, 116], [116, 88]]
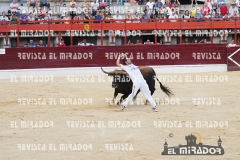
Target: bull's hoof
[[146, 103], [110, 103], [134, 98]]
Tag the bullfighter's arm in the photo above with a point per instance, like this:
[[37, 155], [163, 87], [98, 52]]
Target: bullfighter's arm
[[118, 61]]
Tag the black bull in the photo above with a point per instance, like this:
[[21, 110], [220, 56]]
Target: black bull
[[123, 84]]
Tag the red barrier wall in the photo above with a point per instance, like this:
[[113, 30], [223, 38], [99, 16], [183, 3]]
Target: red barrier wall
[[234, 61], [94, 56]]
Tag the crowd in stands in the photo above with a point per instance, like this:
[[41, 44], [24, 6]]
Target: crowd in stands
[[169, 10], [94, 10], [31, 43]]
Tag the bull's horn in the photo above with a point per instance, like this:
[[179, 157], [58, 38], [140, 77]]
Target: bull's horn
[[104, 71]]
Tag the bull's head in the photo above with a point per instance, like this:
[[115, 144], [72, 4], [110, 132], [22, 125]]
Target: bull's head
[[119, 76]]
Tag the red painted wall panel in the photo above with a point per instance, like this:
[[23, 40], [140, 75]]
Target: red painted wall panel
[[94, 56], [235, 57]]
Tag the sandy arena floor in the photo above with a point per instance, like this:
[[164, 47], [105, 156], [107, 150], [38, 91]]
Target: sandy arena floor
[[142, 140]]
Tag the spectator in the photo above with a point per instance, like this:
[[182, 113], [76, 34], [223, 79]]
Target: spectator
[[205, 9], [31, 43], [110, 2], [217, 16], [195, 2], [76, 18], [14, 7], [237, 3], [87, 16], [90, 11], [186, 41], [176, 4], [84, 43], [208, 16], [148, 42], [4, 17], [158, 5], [234, 15], [23, 17], [121, 2], [153, 15], [117, 16], [209, 4], [41, 18], [145, 17], [64, 11], [232, 44], [173, 16], [204, 41], [48, 17], [128, 17], [233, 9], [129, 42], [21, 1], [140, 2], [108, 10], [98, 17], [25, 45], [226, 17], [186, 16], [136, 18], [61, 1], [223, 9], [66, 18], [58, 18], [95, 7], [195, 40], [41, 44], [168, 11], [150, 4], [132, 2], [198, 16], [161, 42], [162, 17], [73, 4], [13, 19], [138, 42], [147, 9], [220, 2], [84, 5], [42, 12], [106, 17], [214, 4], [73, 8], [35, 12], [32, 3], [62, 44], [193, 12], [44, 3], [30, 18], [169, 4], [49, 11]]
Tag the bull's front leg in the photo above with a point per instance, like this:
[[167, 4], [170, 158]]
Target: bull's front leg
[[122, 98], [135, 97], [114, 97]]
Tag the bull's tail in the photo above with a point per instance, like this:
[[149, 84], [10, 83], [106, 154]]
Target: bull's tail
[[165, 89]]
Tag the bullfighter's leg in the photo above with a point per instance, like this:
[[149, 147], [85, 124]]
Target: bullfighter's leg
[[135, 89], [145, 90]]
